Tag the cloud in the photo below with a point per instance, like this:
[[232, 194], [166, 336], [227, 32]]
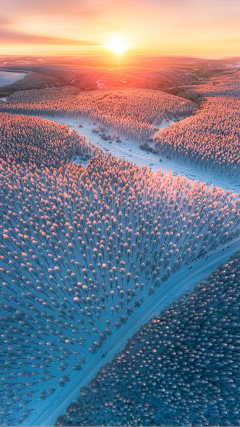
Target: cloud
[[6, 20], [10, 37], [55, 8]]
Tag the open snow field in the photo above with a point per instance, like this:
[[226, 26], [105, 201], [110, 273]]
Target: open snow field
[[7, 78], [130, 150]]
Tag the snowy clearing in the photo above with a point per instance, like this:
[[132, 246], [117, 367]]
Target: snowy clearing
[[130, 150], [7, 77]]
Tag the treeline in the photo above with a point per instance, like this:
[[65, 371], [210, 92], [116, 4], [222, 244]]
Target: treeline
[[129, 112], [209, 140], [81, 249], [44, 143], [139, 78], [181, 368], [225, 84], [32, 80]]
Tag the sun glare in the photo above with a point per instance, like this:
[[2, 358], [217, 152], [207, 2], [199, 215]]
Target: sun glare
[[117, 45]]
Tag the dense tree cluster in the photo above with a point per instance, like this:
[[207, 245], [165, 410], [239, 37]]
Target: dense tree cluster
[[32, 80], [181, 368], [33, 140], [88, 77], [133, 113], [211, 138], [225, 84], [80, 250]]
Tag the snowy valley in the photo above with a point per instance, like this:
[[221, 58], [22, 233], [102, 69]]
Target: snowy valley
[[119, 265]]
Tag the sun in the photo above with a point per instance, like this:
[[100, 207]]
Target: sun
[[117, 45]]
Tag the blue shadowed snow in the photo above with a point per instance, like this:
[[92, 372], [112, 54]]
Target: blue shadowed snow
[[7, 78], [82, 250], [181, 368]]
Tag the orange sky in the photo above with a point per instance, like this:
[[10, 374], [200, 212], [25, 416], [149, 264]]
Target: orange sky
[[168, 27]]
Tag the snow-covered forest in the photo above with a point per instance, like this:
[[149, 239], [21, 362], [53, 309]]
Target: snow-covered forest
[[207, 139], [43, 143], [81, 250], [130, 112], [86, 248], [88, 78], [181, 368], [211, 138]]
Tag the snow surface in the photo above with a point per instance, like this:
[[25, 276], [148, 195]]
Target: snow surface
[[183, 281], [130, 150], [7, 78], [47, 411]]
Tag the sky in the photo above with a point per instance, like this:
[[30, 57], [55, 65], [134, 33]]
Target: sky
[[162, 27]]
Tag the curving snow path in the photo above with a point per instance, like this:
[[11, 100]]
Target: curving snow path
[[183, 281], [129, 149]]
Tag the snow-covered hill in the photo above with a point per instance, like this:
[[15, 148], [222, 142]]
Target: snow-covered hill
[[82, 249]]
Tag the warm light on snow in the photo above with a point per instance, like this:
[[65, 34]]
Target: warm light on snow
[[119, 282]]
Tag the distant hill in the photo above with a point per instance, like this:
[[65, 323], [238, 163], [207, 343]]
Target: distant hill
[[92, 78]]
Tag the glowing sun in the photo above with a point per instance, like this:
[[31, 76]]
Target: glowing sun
[[117, 45]]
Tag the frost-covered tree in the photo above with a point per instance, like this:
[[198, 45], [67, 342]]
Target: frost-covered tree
[[64, 234], [131, 113], [181, 368]]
